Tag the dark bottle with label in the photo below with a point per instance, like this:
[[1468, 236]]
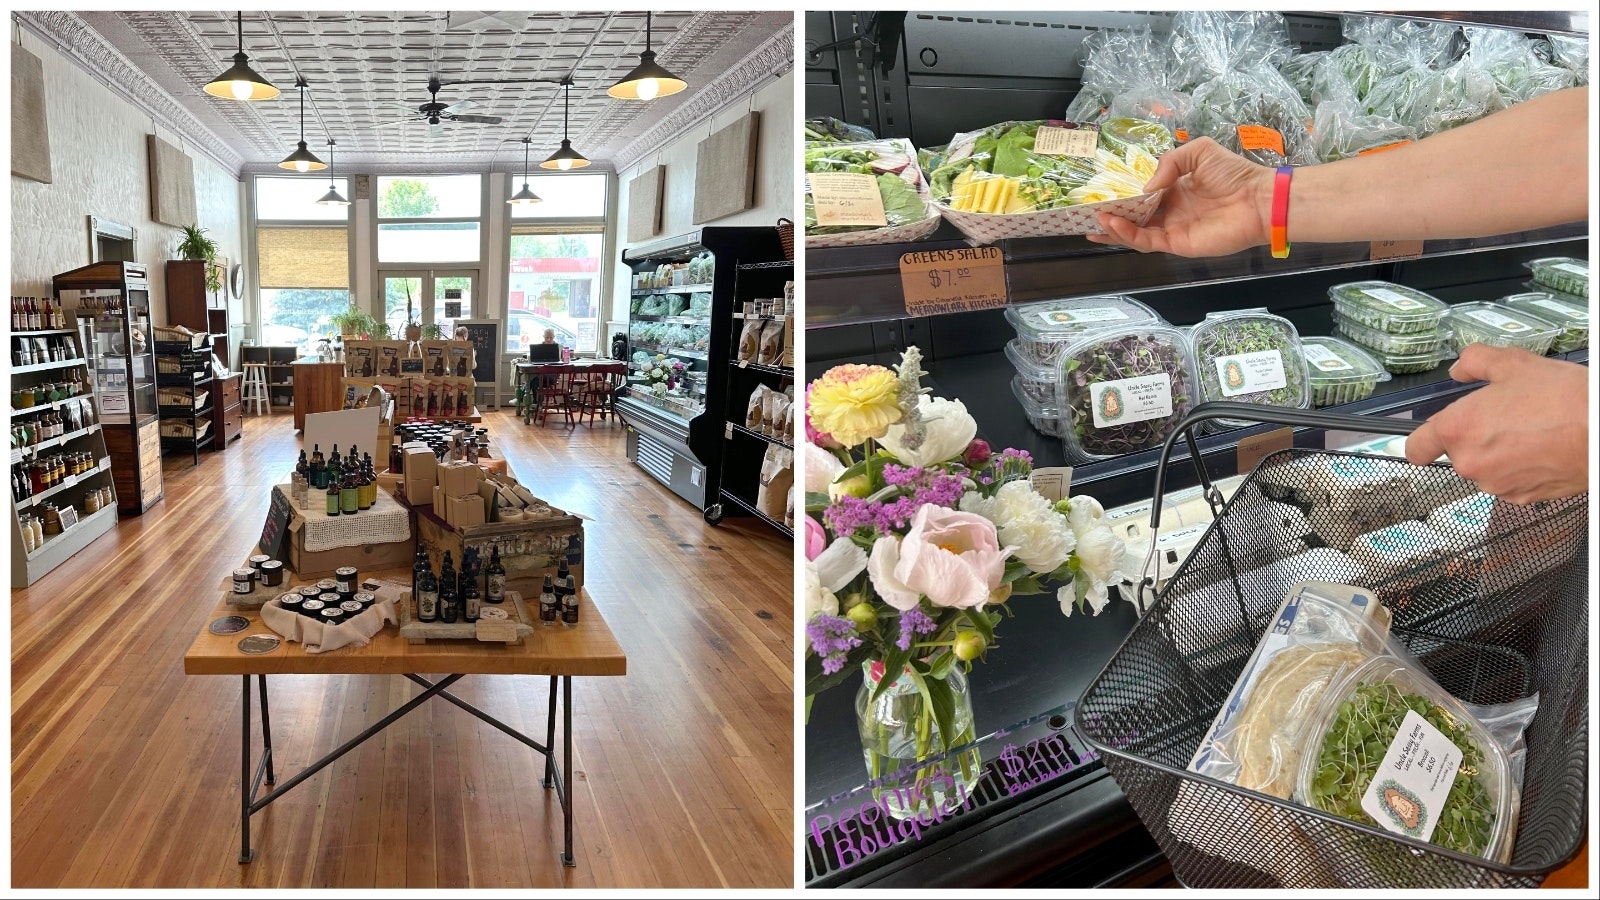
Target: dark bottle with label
[[348, 504], [335, 465], [494, 578], [419, 563], [448, 602], [369, 482], [569, 608], [471, 597], [565, 584], [549, 604], [319, 471], [427, 595], [333, 498], [397, 458], [302, 467]]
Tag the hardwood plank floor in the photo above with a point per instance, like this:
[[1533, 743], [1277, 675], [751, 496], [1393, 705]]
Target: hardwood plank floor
[[125, 771]]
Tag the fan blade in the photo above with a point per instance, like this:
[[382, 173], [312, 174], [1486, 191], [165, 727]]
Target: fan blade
[[397, 105], [394, 122], [462, 106], [477, 120]]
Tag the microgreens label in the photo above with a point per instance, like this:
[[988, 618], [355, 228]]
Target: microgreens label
[[1562, 309], [1081, 315], [1249, 373], [1496, 320], [1397, 300], [1131, 400], [1325, 360], [1414, 779]]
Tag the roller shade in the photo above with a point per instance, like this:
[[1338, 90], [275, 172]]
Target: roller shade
[[314, 258], [524, 227]]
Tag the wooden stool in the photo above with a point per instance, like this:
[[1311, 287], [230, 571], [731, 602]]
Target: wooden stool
[[255, 389]]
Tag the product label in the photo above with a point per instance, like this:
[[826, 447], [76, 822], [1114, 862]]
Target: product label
[[1397, 300], [1182, 134], [1249, 373], [1081, 316], [1053, 141], [940, 282], [497, 588], [1473, 511], [569, 611], [1574, 268], [1412, 784], [1400, 543], [1496, 320], [1562, 309], [1130, 400], [846, 198], [1260, 137], [1324, 360], [427, 604]]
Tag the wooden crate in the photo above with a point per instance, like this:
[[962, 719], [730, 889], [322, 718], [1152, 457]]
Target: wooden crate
[[366, 558], [414, 631], [543, 541]]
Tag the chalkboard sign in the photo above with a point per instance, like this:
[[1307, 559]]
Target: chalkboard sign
[[411, 365], [277, 526], [485, 337]]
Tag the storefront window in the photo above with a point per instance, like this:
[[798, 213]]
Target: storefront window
[[556, 248], [429, 218], [303, 259], [291, 317]]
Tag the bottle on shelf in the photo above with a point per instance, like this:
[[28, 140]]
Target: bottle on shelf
[[549, 603], [369, 482], [418, 563], [447, 590], [494, 578], [349, 505], [333, 498], [301, 466], [335, 464], [471, 597], [318, 471], [427, 592]]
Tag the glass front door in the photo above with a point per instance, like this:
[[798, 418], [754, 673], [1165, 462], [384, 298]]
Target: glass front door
[[428, 296]]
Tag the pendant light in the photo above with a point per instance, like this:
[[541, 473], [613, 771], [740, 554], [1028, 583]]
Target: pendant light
[[647, 81], [240, 82], [566, 158], [525, 197], [332, 197], [302, 160]]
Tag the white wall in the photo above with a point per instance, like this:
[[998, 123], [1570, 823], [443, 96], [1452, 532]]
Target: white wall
[[774, 175], [100, 162]]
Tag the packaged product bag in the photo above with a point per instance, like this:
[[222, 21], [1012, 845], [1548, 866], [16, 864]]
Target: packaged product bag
[[777, 476], [435, 358]]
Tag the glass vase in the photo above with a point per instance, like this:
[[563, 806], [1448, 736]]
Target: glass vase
[[907, 753]]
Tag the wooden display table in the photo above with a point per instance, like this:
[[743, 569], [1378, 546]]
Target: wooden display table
[[586, 649], [531, 374], [318, 388]]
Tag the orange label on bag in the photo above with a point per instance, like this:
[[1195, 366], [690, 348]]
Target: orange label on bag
[[1260, 137], [1371, 150], [1182, 134]]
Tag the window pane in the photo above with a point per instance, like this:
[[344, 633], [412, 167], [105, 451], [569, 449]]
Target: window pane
[[554, 283], [430, 197], [451, 289], [295, 318], [425, 242], [295, 199], [303, 257], [562, 196], [397, 291]]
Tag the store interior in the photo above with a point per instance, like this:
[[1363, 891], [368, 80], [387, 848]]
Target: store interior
[[1044, 809], [509, 260]]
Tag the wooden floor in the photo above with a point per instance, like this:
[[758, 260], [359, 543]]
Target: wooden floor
[[125, 771]]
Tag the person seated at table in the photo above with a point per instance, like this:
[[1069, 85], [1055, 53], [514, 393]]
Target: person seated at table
[[549, 335]]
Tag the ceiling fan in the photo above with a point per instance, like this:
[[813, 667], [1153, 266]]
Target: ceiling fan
[[435, 114]]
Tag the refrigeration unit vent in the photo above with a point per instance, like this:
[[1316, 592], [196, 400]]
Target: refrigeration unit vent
[[656, 458]]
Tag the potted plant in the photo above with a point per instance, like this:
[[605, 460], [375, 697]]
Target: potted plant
[[380, 330], [413, 327], [354, 322], [196, 246], [430, 332]]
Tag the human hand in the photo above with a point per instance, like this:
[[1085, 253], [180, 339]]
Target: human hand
[[1216, 203], [1524, 436]]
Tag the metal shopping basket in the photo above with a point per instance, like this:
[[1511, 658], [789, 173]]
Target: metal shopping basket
[[1503, 615]]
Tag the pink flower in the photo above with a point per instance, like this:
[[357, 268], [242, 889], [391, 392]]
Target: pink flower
[[953, 558], [978, 453], [816, 538]]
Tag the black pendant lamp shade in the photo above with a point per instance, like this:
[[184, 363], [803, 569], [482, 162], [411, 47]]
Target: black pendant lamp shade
[[566, 158], [332, 197], [648, 80], [302, 160], [240, 82], [525, 197]]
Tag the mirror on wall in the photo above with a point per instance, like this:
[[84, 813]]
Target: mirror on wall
[[110, 241]]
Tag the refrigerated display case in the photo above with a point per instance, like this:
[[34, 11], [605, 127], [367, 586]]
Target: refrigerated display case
[[1045, 812]]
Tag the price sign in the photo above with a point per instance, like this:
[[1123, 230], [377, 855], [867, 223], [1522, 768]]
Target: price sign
[[1260, 137], [452, 309], [69, 516], [1388, 250], [937, 282], [846, 198], [277, 525], [1252, 450], [1054, 141]]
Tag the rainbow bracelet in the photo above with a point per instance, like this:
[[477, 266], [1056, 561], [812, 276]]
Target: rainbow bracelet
[[1280, 212]]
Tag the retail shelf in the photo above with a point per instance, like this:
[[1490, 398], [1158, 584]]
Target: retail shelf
[[183, 443], [854, 285], [771, 370], [46, 407], [46, 367], [673, 351], [776, 264], [43, 332], [675, 289], [735, 427], [87, 522], [751, 509], [183, 412], [1540, 21], [670, 320], [47, 493], [177, 379], [63, 440]]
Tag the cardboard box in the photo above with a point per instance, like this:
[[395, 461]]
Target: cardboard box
[[465, 512], [420, 478], [460, 479], [366, 558], [439, 505], [529, 548]]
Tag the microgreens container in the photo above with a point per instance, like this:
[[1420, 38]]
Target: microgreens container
[[1350, 733], [1574, 299], [1399, 354], [1572, 317], [1340, 371], [1562, 273], [1249, 356], [1043, 418], [1037, 381], [1044, 328], [1500, 326], [1385, 306], [1122, 390]]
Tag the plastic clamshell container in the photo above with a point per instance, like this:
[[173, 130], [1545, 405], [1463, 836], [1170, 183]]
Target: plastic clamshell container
[[1536, 287], [1340, 371], [1245, 372], [1572, 317], [1494, 773], [1038, 382], [1562, 273], [1044, 419], [1043, 329], [1126, 402], [1500, 326], [1386, 306], [1399, 361]]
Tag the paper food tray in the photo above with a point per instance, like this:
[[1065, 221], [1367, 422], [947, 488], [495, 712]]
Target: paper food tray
[[893, 234], [986, 228]]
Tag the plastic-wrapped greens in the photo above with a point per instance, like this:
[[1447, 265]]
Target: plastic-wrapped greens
[[1509, 58], [1207, 44], [1434, 101], [1117, 60], [1402, 43], [828, 130], [1299, 69], [1348, 72], [997, 171], [1119, 133], [1255, 112], [1343, 129], [892, 163], [1571, 53], [1149, 105]]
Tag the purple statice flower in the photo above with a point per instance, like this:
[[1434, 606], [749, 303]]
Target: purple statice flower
[[912, 622], [848, 515], [832, 637]]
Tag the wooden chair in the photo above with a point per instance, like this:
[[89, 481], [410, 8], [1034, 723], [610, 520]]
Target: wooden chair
[[556, 395], [594, 393]]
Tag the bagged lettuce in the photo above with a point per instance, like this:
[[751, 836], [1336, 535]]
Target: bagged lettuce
[[892, 162], [1509, 58], [1254, 112], [997, 171], [828, 130]]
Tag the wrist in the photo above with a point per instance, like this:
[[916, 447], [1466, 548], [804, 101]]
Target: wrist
[[1262, 186]]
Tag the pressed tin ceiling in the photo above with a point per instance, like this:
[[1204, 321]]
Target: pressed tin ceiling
[[358, 62]]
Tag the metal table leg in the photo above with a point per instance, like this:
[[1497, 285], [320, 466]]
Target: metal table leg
[[550, 738], [566, 766]]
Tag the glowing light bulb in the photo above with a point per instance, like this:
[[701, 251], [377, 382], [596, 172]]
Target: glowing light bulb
[[564, 164], [241, 89], [648, 88], [301, 165]]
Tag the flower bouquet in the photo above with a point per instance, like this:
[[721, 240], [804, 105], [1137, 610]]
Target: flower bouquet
[[916, 536]]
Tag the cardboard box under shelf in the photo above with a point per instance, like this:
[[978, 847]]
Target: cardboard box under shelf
[[366, 558], [530, 548]]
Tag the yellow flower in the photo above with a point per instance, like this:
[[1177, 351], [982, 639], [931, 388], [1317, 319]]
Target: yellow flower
[[854, 403]]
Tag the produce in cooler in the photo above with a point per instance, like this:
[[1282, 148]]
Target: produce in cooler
[[1499, 326], [1561, 273], [1340, 371], [1250, 356], [1387, 307], [1122, 390], [1045, 419], [892, 163], [1400, 354], [1045, 328], [1573, 318], [828, 130], [997, 171]]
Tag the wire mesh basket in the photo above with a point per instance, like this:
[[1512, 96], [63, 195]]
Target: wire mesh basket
[[1500, 613]]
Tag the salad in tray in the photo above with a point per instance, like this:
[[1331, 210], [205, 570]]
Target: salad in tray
[[892, 162], [998, 171]]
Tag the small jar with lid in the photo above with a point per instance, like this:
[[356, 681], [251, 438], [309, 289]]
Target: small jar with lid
[[328, 585], [271, 573], [257, 560], [291, 601], [244, 581], [331, 615], [346, 579], [352, 608], [330, 598], [309, 591], [365, 599], [311, 607]]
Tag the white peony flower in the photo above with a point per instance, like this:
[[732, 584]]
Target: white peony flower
[[947, 429], [819, 600], [1099, 554], [1027, 521], [1096, 597], [840, 563], [1084, 512], [821, 468]]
